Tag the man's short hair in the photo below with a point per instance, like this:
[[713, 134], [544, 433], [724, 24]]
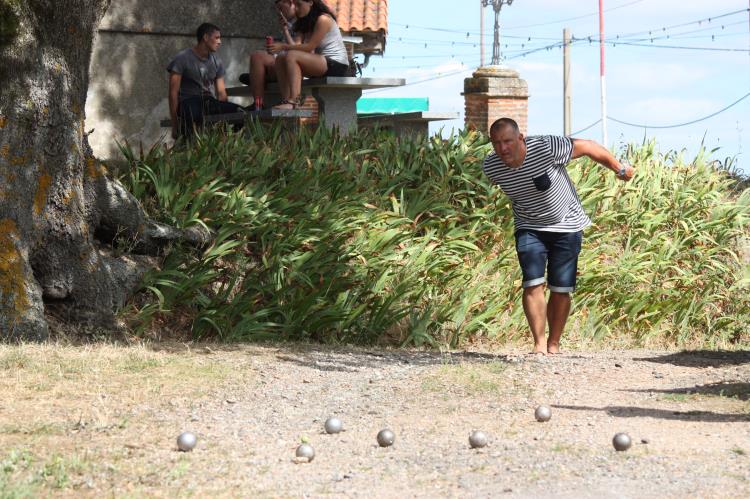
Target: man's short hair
[[205, 29], [502, 123]]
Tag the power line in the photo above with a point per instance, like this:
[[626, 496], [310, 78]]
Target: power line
[[446, 30], [699, 21], [652, 45], [573, 18], [417, 82], [679, 35], [620, 38], [428, 41], [587, 128], [683, 124]]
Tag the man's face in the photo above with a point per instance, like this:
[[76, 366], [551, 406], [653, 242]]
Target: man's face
[[509, 145], [213, 41], [287, 8]]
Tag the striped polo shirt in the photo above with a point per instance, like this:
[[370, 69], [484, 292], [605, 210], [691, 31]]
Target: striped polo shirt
[[541, 192]]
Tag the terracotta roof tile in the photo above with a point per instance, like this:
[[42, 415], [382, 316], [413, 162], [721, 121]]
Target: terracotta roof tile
[[361, 15]]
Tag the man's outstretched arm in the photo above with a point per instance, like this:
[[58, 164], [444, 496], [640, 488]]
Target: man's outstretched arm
[[602, 156]]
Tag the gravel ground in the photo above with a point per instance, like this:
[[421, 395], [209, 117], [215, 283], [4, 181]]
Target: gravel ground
[[688, 415]]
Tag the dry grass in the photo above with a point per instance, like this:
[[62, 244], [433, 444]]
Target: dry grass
[[73, 416]]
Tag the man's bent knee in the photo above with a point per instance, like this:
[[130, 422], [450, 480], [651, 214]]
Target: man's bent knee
[[533, 289]]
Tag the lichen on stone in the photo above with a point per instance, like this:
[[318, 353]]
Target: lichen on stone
[[40, 198], [12, 280]]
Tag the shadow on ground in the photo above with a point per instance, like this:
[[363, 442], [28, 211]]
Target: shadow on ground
[[353, 360], [647, 412], [738, 390], [334, 358], [702, 358]]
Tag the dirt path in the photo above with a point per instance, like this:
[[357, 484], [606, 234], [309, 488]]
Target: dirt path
[[103, 420]]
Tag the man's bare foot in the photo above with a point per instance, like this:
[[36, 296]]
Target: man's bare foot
[[284, 106], [553, 349], [539, 350]]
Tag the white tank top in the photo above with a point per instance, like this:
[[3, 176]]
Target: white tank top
[[332, 45]]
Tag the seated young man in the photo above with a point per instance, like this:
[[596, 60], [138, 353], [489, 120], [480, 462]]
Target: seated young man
[[196, 83], [262, 63]]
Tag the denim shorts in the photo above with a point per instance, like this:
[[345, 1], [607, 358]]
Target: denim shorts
[[557, 251]]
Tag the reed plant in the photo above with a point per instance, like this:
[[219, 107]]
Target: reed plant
[[374, 238]]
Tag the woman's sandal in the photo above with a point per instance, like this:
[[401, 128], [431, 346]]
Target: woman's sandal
[[294, 103]]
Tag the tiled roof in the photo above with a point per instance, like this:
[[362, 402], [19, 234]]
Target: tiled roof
[[361, 15]]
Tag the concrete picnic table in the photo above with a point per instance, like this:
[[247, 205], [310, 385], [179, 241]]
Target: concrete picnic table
[[337, 96]]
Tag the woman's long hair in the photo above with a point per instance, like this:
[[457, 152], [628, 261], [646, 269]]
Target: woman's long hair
[[306, 24]]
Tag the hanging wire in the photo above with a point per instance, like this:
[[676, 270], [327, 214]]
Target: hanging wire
[[686, 123], [588, 127], [446, 30], [652, 35], [573, 18], [680, 47], [664, 28]]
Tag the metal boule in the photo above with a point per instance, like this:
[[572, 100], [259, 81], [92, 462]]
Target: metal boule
[[305, 451], [621, 442], [478, 439], [333, 425], [186, 441], [386, 438], [543, 413]]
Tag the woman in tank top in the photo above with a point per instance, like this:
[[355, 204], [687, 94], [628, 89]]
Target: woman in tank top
[[321, 53]]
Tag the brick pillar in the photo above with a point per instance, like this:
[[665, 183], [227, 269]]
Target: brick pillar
[[495, 92]]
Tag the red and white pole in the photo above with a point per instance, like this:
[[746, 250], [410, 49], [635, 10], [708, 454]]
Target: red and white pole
[[602, 74]]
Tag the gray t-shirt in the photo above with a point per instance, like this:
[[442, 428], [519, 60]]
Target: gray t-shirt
[[198, 75]]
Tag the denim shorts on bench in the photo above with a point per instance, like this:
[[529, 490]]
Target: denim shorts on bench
[[557, 252]]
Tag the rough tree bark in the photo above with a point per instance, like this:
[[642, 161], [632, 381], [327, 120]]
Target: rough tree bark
[[59, 209]]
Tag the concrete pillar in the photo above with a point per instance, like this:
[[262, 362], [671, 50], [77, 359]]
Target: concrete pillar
[[495, 92]]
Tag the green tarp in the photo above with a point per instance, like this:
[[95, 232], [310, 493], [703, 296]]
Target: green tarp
[[392, 105]]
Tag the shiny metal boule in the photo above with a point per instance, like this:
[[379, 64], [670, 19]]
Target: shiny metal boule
[[186, 441], [386, 438], [621, 442], [305, 451], [478, 439], [543, 413], [333, 425]]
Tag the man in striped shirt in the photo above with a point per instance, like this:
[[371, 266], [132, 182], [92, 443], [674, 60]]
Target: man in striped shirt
[[548, 216]]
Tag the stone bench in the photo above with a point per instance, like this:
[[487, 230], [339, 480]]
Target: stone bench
[[414, 123], [337, 96], [241, 117]]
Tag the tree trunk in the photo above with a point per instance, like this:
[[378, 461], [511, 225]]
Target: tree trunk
[[59, 210]]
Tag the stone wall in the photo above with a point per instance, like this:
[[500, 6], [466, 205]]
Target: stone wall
[[137, 38]]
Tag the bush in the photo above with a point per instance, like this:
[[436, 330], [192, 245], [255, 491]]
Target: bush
[[374, 238]]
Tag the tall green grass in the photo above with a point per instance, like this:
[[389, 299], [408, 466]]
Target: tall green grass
[[374, 238]]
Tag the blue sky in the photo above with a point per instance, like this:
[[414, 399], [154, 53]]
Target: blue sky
[[645, 84]]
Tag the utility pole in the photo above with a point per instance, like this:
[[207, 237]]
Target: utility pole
[[481, 34], [497, 5], [567, 99], [605, 140]]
